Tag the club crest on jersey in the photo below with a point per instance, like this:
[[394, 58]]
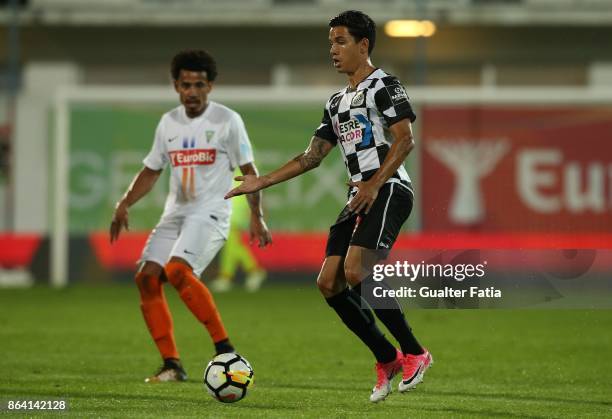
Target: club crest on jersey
[[209, 135], [358, 99], [357, 130]]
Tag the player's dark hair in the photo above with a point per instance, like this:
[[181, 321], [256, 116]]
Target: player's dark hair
[[194, 60], [358, 24]]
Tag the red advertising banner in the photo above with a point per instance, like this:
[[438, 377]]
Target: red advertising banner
[[511, 169], [18, 250]]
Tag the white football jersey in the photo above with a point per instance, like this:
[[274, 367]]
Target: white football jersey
[[202, 153]]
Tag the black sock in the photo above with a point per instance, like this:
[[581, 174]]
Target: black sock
[[172, 363], [224, 346], [362, 323], [389, 312]]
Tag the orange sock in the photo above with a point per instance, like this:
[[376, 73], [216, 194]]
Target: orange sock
[[197, 297], [156, 314]]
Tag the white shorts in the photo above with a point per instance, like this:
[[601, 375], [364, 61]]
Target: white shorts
[[195, 240]]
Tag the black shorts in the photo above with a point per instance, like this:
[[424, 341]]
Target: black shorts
[[376, 230]]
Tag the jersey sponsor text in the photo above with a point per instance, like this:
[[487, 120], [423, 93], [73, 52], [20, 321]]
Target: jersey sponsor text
[[196, 157]]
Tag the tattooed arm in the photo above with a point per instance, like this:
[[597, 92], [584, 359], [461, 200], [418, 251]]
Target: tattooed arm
[[309, 159], [312, 157]]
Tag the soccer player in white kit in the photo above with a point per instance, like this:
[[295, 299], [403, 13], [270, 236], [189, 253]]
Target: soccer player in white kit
[[203, 142]]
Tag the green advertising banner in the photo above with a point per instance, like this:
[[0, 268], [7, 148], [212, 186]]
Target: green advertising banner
[[108, 143]]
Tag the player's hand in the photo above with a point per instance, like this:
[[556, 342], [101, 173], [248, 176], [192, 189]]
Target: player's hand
[[259, 231], [120, 220], [365, 197], [250, 184]]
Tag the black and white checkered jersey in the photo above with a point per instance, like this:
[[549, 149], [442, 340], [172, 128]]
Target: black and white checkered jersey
[[359, 121]]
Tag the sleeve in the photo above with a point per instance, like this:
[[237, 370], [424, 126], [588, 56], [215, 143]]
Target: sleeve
[[326, 130], [392, 102], [157, 157], [239, 146]]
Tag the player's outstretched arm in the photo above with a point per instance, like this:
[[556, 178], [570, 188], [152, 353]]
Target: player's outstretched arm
[[141, 185], [258, 228], [309, 159], [403, 144]]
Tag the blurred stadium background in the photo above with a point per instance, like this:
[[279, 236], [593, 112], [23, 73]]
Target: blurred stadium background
[[513, 165], [514, 100]]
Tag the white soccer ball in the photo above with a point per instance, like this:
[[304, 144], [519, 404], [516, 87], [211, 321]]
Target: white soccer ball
[[227, 377]]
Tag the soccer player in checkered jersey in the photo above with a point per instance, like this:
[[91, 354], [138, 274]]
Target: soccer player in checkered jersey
[[370, 121], [202, 141]]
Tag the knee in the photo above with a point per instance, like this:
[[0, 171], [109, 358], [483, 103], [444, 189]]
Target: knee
[[177, 274], [148, 285], [328, 286], [352, 274]]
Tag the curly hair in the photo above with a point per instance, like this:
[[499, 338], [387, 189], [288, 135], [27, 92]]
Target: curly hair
[[194, 60], [358, 24]]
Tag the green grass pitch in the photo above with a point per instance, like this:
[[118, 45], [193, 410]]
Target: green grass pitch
[[89, 346]]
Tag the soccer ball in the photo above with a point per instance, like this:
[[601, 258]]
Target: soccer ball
[[227, 377]]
